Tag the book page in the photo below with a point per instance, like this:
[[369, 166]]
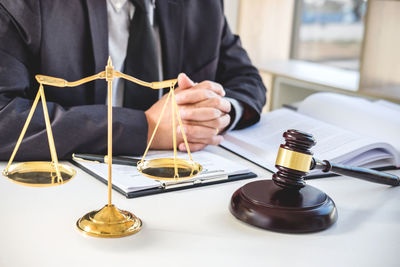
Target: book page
[[260, 142], [377, 120]]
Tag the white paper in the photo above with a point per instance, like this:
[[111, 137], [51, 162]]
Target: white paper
[[128, 179]]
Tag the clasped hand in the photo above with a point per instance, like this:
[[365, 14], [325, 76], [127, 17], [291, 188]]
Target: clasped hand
[[204, 112]]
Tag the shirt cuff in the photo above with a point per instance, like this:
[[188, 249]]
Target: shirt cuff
[[237, 110]]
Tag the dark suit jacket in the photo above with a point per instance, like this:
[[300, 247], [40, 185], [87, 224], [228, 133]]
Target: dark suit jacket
[[69, 39]]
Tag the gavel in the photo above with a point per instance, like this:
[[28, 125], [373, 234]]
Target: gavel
[[286, 203], [295, 160]]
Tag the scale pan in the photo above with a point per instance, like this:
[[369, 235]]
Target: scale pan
[[38, 173], [164, 168]]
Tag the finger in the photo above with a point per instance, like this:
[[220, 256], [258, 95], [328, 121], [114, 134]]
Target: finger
[[199, 114], [219, 123], [184, 82], [197, 132], [215, 140], [216, 102], [192, 146], [213, 86], [193, 95], [196, 145]]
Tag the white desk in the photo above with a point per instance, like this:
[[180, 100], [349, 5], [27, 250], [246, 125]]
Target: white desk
[[194, 227]]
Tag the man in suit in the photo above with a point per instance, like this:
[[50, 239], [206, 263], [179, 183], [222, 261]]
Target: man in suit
[[72, 39]]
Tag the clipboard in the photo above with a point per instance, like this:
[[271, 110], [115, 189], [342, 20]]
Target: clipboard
[[170, 188]]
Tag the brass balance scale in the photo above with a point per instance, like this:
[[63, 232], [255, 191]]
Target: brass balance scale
[[109, 221]]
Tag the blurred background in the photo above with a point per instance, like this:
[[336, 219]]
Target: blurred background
[[330, 32], [307, 46]]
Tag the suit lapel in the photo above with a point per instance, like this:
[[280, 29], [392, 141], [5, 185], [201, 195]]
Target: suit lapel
[[97, 11], [171, 23]]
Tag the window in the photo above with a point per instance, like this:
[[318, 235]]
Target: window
[[329, 32]]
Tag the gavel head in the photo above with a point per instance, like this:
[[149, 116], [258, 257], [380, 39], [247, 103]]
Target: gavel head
[[294, 159]]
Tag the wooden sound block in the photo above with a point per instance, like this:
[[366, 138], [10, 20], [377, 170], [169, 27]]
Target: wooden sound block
[[266, 205]]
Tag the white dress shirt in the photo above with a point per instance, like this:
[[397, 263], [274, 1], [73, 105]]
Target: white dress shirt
[[120, 14]]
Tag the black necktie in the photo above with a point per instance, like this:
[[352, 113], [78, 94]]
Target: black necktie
[[141, 60]]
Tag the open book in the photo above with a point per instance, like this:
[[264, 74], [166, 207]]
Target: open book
[[348, 130]]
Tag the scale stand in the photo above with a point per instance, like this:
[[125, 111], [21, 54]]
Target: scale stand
[[109, 221]]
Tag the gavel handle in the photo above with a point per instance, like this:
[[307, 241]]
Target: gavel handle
[[357, 172]]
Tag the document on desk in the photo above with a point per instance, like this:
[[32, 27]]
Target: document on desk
[[128, 181], [347, 130]]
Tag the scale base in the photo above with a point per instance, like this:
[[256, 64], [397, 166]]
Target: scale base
[[268, 206], [109, 222], [38, 173]]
